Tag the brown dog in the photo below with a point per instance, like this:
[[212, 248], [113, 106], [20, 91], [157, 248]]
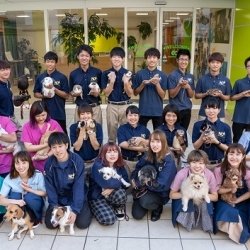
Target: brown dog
[[19, 217]]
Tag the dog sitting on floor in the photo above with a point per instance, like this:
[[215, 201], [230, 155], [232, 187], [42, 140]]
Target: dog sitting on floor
[[109, 172], [20, 217], [194, 187], [60, 216]]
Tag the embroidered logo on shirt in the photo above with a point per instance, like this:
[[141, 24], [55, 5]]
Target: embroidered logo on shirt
[[71, 176], [57, 83], [222, 83], [143, 136]]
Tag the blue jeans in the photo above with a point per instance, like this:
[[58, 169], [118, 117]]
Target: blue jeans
[[33, 201]]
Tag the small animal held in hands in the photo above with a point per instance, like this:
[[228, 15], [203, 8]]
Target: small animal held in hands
[[94, 87], [179, 141], [48, 87], [60, 217], [77, 90], [108, 172], [194, 187], [214, 92], [6, 145], [231, 181], [147, 175], [21, 218]]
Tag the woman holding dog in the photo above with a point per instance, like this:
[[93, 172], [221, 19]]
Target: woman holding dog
[[196, 214], [24, 186], [233, 217], [107, 196], [153, 194], [36, 132]]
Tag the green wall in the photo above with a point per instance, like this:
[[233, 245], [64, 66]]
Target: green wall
[[241, 42]]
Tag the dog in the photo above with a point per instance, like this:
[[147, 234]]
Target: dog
[[60, 217], [195, 187], [179, 141], [77, 90], [232, 180], [48, 87], [147, 175], [89, 126], [214, 92], [22, 217], [109, 172], [6, 145]]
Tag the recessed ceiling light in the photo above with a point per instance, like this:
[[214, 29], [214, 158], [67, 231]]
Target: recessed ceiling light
[[101, 14], [22, 16], [165, 23], [168, 21], [60, 15], [182, 14], [175, 17], [142, 14]]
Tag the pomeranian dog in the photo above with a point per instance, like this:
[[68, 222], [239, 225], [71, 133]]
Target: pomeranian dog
[[195, 188]]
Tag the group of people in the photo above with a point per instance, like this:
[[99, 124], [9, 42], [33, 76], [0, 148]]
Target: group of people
[[94, 178]]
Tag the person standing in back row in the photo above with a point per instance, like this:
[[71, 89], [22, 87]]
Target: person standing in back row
[[150, 84], [181, 87], [116, 85]]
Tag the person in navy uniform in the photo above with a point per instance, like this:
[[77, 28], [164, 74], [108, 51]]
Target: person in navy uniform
[[213, 84], [117, 86], [56, 104], [212, 135], [150, 84], [85, 75], [132, 138], [64, 182], [181, 87], [241, 94]]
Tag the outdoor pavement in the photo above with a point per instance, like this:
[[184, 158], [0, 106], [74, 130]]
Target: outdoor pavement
[[123, 235]]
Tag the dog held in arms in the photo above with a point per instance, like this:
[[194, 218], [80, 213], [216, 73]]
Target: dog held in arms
[[20, 217], [194, 187], [60, 217]]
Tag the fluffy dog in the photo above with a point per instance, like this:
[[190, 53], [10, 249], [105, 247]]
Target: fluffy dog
[[60, 217], [111, 173], [232, 180], [22, 217], [147, 175], [48, 87], [195, 187]]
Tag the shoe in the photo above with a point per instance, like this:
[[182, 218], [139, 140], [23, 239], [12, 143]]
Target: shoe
[[156, 214], [36, 224], [120, 212]]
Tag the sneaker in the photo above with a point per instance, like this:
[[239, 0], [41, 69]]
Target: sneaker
[[120, 212], [36, 224]]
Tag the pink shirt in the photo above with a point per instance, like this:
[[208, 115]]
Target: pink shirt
[[219, 177], [6, 158], [33, 135], [183, 173]]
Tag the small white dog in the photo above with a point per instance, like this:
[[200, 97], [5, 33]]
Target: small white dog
[[48, 87], [195, 187], [60, 217], [111, 173]]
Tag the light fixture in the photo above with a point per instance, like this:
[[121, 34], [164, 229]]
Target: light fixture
[[168, 21], [60, 15], [175, 17], [165, 23], [182, 14], [94, 8], [160, 2], [22, 16], [142, 14], [101, 14]]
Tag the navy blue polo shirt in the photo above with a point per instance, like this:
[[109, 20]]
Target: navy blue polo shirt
[[84, 78], [207, 82], [171, 134], [223, 132], [87, 152], [56, 104], [118, 94], [181, 100], [150, 103], [6, 103], [242, 104], [126, 132]]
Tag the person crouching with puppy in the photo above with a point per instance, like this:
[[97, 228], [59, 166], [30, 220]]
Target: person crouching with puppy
[[192, 191], [86, 137], [64, 182], [107, 191], [24, 186], [154, 194]]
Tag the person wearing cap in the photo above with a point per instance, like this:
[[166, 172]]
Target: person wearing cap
[[85, 75], [116, 85], [212, 135], [214, 84]]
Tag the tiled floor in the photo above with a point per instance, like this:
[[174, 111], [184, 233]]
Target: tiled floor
[[124, 235]]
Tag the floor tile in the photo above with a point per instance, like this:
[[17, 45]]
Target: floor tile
[[78, 232], [228, 245], [166, 213], [194, 234], [40, 242], [5, 227], [165, 244], [68, 243], [219, 236], [198, 244], [133, 228], [103, 243], [9, 245], [96, 229], [41, 229], [133, 244], [129, 211], [163, 229]]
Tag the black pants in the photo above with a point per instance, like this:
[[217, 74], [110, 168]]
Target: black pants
[[62, 123], [156, 120], [83, 219], [149, 201], [238, 129], [185, 116]]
